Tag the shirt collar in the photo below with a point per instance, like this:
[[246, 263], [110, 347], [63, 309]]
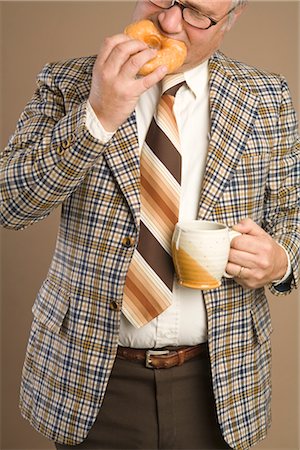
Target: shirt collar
[[195, 78]]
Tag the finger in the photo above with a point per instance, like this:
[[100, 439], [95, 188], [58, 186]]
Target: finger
[[143, 83], [250, 244], [153, 77], [133, 65], [248, 226], [108, 45], [242, 259], [237, 271], [122, 52]]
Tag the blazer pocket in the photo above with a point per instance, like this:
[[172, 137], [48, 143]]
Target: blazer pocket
[[261, 320], [51, 305]]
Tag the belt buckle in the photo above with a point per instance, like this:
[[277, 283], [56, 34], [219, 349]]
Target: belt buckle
[[150, 353]]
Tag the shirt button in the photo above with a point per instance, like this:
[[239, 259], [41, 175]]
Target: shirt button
[[128, 242], [114, 306]]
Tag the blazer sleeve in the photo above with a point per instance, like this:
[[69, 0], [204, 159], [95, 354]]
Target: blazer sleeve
[[48, 156], [282, 212]]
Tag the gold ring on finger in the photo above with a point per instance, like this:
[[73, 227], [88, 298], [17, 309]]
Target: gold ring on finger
[[239, 275]]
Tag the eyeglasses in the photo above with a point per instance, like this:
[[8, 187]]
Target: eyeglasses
[[191, 15]]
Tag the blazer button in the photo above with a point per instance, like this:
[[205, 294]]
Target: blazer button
[[59, 150], [128, 242], [65, 144], [115, 306]]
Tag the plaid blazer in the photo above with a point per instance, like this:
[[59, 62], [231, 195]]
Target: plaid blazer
[[252, 171]]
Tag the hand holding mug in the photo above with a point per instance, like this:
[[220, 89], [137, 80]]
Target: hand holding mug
[[257, 259]]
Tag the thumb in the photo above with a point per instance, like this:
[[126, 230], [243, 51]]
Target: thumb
[[248, 226]]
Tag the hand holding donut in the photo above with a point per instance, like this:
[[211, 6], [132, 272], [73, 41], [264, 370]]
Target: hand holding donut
[[116, 88], [170, 52]]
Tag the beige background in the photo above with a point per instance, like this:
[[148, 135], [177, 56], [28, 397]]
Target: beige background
[[34, 33]]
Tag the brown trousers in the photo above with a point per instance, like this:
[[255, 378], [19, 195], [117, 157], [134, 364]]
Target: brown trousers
[[156, 409]]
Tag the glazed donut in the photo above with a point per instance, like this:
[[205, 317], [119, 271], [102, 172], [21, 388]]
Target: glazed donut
[[171, 52]]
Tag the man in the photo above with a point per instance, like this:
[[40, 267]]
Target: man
[[78, 144]]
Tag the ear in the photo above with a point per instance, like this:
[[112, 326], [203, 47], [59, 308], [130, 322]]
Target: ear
[[235, 15]]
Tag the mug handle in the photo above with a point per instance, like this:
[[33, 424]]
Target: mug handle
[[176, 238], [232, 235]]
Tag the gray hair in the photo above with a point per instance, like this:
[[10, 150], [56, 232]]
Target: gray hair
[[235, 4]]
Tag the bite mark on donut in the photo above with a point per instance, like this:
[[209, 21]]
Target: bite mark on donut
[[153, 42]]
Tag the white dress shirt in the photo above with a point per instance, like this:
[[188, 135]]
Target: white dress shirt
[[184, 322]]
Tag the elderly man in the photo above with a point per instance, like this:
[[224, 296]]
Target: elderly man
[[196, 373]]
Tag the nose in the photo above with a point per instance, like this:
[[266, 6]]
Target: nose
[[170, 20]]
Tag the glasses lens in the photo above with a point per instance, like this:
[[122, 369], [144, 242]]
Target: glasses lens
[[196, 19], [191, 16], [162, 3]]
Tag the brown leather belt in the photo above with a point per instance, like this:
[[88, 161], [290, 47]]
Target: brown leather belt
[[163, 358]]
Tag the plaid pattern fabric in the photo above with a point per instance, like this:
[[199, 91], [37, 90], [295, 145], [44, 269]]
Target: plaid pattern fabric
[[51, 160]]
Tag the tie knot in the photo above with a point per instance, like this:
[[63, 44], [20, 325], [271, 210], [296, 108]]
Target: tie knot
[[171, 83], [173, 90]]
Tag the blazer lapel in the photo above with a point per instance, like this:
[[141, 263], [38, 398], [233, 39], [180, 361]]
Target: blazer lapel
[[122, 157], [233, 112], [122, 152]]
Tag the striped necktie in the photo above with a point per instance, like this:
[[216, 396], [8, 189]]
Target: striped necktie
[[149, 282]]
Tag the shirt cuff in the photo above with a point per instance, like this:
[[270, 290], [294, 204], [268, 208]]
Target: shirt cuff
[[95, 127], [288, 270]]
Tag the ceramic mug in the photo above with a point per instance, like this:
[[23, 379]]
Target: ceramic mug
[[200, 251]]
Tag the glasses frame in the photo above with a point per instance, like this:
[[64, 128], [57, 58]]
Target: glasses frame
[[182, 6]]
